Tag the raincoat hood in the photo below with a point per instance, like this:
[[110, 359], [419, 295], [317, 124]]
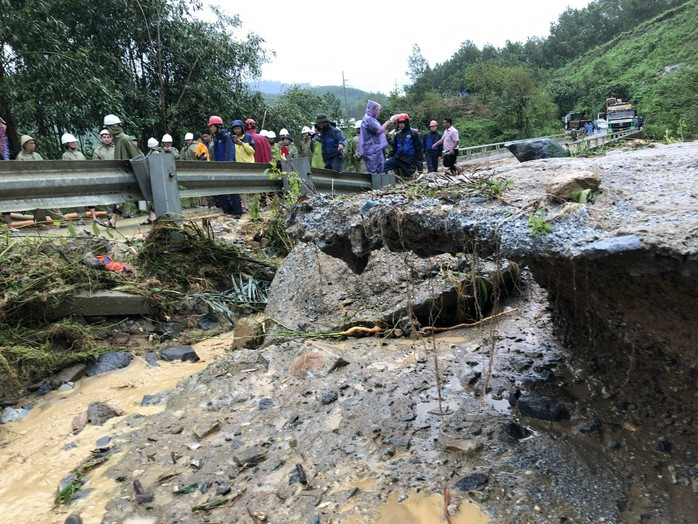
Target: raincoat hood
[[372, 108], [237, 123]]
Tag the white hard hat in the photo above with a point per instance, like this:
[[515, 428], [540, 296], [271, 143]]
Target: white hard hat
[[67, 138], [264, 133], [283, 132], [305, 129], [152, 142], [271, 134], [166, 138], [189, 136], [357, 124], [104, 132], [111, 120]]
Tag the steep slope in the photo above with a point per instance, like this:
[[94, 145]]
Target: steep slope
[[655, 66]]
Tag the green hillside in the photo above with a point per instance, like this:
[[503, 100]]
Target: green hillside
[[655, 66]]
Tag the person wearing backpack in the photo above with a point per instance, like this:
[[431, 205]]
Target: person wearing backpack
[[406, 152]]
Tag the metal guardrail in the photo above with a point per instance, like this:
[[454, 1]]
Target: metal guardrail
[[592, 142], [51, 184], [62, 184]]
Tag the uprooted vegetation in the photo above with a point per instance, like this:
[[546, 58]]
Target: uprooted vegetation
[[179, 269]]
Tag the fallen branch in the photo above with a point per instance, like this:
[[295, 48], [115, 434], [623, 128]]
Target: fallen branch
[[435, 329]]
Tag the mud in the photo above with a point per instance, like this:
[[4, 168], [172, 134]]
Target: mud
[[414, 427]]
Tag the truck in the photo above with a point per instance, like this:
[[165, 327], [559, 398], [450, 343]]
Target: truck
[[620, 115], [574, 121]]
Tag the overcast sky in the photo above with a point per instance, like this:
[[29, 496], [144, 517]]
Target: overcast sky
[[315, 41]]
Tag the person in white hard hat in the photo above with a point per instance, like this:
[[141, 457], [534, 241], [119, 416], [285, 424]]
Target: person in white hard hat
[[305, 146], [167, 146], [106, 150], [275, 151], [188, 152], [70, 144], [153, 146], [124, 149]]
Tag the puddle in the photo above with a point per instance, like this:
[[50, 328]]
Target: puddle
[[39, 450], [501, 406], [423, 508]]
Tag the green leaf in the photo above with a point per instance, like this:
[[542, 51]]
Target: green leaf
[[95, 229], [71, 230]]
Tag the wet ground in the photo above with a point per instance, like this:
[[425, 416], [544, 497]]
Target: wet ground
[[373, 440], [547, 434]]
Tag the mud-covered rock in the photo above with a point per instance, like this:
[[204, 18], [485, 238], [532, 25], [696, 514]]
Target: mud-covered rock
[[249, 333], [313, 291], [107, 362], [565, 185], [184, 353], [100, 412], [317, 360]]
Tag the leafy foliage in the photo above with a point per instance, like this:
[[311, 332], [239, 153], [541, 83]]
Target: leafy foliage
[[152, 62]]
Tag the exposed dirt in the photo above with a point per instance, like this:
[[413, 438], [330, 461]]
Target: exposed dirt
[[500, 422]]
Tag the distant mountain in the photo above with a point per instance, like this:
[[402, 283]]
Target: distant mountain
[[355, 98]]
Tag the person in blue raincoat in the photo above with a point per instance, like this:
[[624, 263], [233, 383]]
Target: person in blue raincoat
[[332, 142], [372, 140], [406, 152], [224, 151]]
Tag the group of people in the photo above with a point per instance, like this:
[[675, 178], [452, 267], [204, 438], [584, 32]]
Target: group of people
[[373, 150], [407, 148]]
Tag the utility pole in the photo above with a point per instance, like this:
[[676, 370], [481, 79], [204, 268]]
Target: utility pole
[[344, 88]]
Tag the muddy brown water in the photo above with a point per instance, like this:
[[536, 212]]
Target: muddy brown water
[[39, 450]]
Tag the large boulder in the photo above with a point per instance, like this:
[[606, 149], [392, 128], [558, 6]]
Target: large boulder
[[526, 150], [315, 292]]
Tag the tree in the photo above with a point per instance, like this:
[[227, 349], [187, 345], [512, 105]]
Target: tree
[[152, 62], [416, 64], [298, 106]]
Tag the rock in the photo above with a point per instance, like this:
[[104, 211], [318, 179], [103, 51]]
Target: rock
[[208, 324], [66, 387], [467, 447], [44, 389], [204, 429], [329, 297], [107, 362], [472, 482], [250, 456], [318, 359], [613, 445], [13, 414], [542, 408], [154, 400], [223, 489], [265, 403], [469, 375], [566, 184], [73, 519], [99, 412], [664, 446], [185, 353], [152, 359], [119, 339], [79, 422], [516, 431], [248, 333], [103, 303], [167, 330], [526, 150], [70, 374], [329, 397], [103, 443]]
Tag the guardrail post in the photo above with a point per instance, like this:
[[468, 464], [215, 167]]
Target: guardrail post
[[157, 178], [381, 180], [300, 166]]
